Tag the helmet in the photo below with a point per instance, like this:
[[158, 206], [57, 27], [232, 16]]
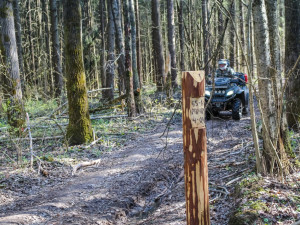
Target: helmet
[[223, 64]]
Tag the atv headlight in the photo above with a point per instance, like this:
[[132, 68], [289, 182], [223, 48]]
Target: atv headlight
[[229, 93], [207, 93]]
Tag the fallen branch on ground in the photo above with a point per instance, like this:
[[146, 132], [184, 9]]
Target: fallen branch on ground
[[85, 164]]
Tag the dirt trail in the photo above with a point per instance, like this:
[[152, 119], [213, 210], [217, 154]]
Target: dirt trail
[[141, 183]]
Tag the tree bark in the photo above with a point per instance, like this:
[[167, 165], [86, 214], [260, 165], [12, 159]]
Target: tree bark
[[79, 129], [102, 54], [158, 46], [56, 60], [205, 29], [181, 34], [171, 42], [242, 36], [110, 67], [19, 37], [128, 67], [12, 84], [273, 157], [292, 49], [232, 37], [220, 31], [119, 44], [32, 65], [138, 43]]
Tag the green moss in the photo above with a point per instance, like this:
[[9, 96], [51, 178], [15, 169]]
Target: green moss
[[246, 218]]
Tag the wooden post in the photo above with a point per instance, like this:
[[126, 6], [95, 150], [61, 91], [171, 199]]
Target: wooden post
[[194, 145]]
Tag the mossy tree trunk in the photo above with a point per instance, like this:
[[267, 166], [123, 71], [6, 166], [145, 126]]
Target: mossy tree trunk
[[11, 76], [79, 130]]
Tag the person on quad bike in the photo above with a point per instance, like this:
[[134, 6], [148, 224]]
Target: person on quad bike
[[224, 69]]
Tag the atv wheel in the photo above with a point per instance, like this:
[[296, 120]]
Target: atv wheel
[[207, 115], [215, 113], [237, 109], [245, 110]]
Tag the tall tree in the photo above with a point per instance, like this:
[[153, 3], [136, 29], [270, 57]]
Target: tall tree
[[128, 66], [102, 10], [157, 45], [274, 158], [275, 71], [242, 35], [56, 61], [46, 37], [136, 83], [220, 31], [12, 84], [79, 129], [171, 42], [119, 43], [232, 43], [292, 50], [138, 42], [205, 30], [31, 70], [181, 33], [110, 67], [18, 35]]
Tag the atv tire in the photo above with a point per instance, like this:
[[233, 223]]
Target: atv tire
[[208, 115], [237, 109], [245, 111]]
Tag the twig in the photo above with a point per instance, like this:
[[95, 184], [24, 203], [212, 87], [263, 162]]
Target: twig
[[30, 141], [234, 180], [233, 174], [85, 164], [94, 142]]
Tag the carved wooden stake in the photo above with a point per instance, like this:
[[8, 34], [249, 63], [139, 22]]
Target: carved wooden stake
[[194, 145]]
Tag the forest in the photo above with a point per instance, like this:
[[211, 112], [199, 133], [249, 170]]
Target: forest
[[97, 115]]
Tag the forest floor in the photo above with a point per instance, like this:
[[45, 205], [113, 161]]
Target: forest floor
[[139, 178]]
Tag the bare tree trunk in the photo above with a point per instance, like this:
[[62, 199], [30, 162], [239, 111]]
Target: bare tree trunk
[[102, 54], [136, 83], [292, 49], [259, 166], [205, 35], [79, 130], [128, 68], [220, 31], [32, 65], [274, 158], [110, 67], [181, 34], [12, 84], [45, 19], [242, 36], [56, 60], [119, 44], [171, 42], [158, 46], [138, 43], [19, 37], [232, 37]]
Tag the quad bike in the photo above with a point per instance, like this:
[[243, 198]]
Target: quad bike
[[230, 94]]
